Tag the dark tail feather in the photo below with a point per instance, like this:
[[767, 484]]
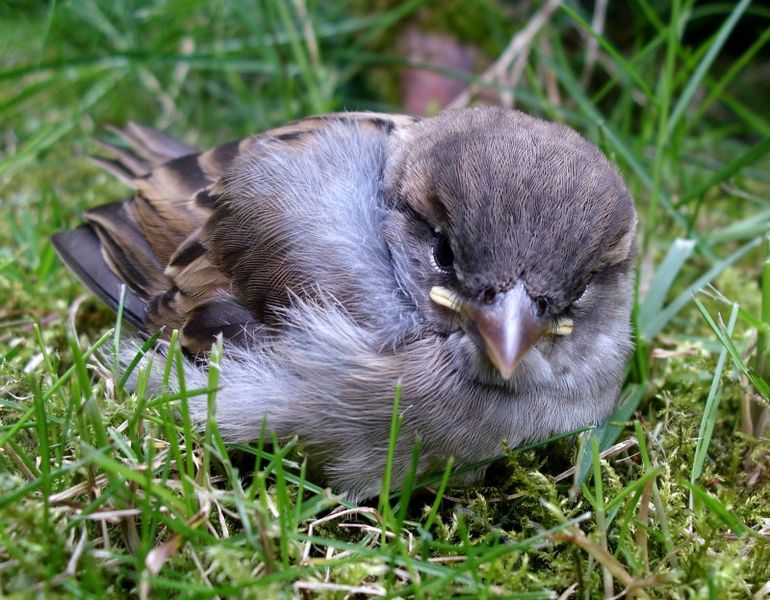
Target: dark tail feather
[[80, 250], [152, 145], [149, 149], [132, 242], [126, 249]]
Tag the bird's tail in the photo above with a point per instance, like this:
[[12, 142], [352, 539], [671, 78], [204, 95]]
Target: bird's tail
[[131, 242]]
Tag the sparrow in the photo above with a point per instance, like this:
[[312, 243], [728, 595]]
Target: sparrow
[[478, 263]]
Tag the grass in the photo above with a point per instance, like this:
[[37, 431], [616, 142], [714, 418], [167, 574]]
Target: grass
[[105, 491]]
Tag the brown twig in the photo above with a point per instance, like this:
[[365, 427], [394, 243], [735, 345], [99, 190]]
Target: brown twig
[[519, 44], [592, 43], [644, 522], [575, 536]]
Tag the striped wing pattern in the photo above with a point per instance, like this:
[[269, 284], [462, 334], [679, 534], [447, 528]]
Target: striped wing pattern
[[154, 241]]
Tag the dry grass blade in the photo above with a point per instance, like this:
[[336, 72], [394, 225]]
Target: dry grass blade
[[568, 592], [762, 592], [76, 490], [20, 465], [518, 45], [334, 516], [158, 556], [663, 354], [114, 516], [447, 559], [592, 42], [602, 556], [77, 552], [374, 590], [100, 481], [644, 521], [752, 543]]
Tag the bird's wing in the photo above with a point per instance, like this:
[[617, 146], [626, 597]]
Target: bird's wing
[[154, 242]]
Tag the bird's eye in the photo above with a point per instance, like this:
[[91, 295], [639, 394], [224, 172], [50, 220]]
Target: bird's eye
[[442, 251], [542, 304], [580, 289]]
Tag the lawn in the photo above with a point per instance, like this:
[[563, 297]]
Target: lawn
[[107, 491]]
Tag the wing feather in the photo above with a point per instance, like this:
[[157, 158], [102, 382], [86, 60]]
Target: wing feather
[[155, 242]]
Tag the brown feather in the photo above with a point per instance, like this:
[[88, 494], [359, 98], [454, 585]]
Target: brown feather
[[223, 315], [156, 241], [153, 147], [126, 249]]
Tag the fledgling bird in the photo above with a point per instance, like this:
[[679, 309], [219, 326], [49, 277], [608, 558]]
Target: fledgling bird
[[482, 258]]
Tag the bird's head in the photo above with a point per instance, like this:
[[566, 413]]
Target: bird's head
[[508, 220]]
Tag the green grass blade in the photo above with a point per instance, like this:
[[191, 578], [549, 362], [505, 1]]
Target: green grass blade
[[661, 283], [669, 312], [704, 65], [712, 405], [762, 386]]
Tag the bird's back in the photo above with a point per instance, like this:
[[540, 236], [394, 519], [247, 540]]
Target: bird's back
[[203, 245]]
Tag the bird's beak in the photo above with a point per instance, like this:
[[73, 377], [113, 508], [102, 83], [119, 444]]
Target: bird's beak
[[508, 324]]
